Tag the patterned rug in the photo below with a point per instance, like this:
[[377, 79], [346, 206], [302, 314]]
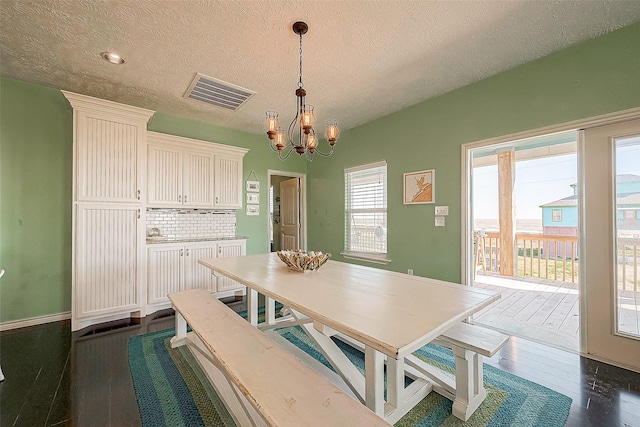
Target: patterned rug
[[172, 390]]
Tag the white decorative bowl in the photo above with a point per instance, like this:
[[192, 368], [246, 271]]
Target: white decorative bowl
[[303, 261]]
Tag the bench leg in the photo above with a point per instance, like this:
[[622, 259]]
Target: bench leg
[[181, 331], [470, 391]]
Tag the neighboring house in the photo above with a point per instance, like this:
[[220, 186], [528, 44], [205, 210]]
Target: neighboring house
[[561, 216]]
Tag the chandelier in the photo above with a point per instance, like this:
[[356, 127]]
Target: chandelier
[[300, 136]]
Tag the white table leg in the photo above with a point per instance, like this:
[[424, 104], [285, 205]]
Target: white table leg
[[252, 306], [395, 381], [181, 331], [374, 380], [270, 311]]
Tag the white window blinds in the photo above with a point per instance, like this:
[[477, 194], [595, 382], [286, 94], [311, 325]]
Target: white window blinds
[[366, 211]]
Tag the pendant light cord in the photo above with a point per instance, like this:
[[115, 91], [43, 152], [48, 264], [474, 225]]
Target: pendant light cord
[[300, 84]]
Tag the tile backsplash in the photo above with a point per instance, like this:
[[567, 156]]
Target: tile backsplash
[[192, 223]]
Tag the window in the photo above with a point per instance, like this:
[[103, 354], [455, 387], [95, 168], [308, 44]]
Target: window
[[556, 215], [366, 212]]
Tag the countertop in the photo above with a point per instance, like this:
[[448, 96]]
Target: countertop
[[157, 240]]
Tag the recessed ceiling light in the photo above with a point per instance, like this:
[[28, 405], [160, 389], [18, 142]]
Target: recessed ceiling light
[[112, 57]]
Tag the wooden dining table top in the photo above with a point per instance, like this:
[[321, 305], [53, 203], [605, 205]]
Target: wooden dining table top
[[392, 312]]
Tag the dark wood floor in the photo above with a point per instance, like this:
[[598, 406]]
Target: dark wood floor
[[56, 378]]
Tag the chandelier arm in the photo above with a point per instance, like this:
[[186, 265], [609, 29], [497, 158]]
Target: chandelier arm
[[323, 154], [288, 153]]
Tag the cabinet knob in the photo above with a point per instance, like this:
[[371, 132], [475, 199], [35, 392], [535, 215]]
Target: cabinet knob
[[216, 199], [138, 194], [187, 252], [180, 199], [181, 252], [185, 198]]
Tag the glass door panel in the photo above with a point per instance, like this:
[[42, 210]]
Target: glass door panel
[[627, 224]]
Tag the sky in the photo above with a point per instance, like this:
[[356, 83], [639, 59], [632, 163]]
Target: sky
[[538, 181], [541, 181]]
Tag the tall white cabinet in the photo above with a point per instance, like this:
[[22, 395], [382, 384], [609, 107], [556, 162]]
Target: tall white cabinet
[[109, 141]]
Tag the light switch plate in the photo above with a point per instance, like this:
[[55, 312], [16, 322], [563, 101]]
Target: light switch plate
[[439, 221], [442, 210]]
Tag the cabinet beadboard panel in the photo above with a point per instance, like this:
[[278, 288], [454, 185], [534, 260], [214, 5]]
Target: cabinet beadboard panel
[[164, 176], [106, 260]]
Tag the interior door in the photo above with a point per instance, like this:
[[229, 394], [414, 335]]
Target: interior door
[[290, 214], [609, 266]]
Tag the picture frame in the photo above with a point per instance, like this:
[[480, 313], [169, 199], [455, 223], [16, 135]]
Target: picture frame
[[253, 198], [419, 187], [253, 209], [253, 186]]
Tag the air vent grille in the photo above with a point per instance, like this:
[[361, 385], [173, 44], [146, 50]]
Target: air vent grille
[[217, 92]]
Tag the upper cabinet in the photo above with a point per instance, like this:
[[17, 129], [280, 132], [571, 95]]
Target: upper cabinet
[[109, 141], [228, 182], [183, 172]]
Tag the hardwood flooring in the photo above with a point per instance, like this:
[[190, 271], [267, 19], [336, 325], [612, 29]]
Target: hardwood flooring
[[56, 378]]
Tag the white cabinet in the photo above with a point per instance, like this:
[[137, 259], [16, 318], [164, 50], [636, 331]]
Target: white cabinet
[[173, 267], [228, 182], [107, 261], [226, 286], [183, 172], [179, 178], [109, 141]]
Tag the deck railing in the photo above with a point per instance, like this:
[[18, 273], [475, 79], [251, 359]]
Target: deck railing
[[629, 263], [551, 256], [545, 256]]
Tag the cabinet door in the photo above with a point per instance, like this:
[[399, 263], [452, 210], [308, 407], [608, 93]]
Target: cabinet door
[[165, 271], [109, 153], [197, 187], [228, 182], [196, 275], [106, 260], [225, 249], [164, 176]]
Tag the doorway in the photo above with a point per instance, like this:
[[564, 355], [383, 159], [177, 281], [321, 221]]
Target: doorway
[[287, 210], [525, 237], [611, 198]]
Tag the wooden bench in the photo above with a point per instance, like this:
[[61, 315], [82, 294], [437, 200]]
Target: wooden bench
[[469, 343], [260, 382]]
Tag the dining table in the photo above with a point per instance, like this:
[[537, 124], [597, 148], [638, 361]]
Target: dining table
[[389, 315]]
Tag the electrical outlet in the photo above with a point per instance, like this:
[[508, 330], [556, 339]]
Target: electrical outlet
[[410, 271], [439, 221]]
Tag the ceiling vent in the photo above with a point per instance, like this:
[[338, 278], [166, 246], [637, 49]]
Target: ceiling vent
[[216, 92]]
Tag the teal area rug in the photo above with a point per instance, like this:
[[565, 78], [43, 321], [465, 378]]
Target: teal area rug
[[172, 390]]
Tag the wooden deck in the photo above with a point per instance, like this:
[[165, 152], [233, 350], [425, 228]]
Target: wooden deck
[[541, 310]]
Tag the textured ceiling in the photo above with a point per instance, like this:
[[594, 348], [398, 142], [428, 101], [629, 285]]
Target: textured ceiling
[[362, 59]]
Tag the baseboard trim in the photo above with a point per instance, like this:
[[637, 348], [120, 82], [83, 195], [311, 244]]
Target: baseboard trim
[[33, 321]]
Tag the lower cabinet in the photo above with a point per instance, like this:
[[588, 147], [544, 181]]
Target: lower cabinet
[[173, 267]]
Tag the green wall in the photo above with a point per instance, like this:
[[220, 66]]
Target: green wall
[[593, 78], [35, 201], [36, 155]]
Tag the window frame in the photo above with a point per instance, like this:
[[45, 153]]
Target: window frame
[[553, 215], [376, 257]]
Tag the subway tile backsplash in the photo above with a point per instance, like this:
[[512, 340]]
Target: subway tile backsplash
[[192, 223]]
